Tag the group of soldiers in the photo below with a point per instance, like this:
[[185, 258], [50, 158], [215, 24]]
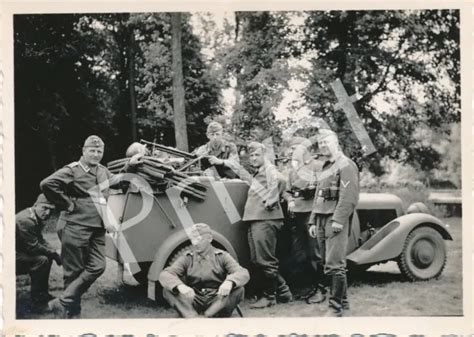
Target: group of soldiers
[[320, 197]]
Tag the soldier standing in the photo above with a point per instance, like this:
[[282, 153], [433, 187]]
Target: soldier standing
[[299, 195], [222, 155], [34, 255], [74, 190], [205, 280], [265, 219], [336, 197]]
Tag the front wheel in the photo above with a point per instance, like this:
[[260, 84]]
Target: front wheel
[[423, 256]]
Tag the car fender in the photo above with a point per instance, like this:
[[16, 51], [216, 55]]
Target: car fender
[[388, 242], [176, 240]]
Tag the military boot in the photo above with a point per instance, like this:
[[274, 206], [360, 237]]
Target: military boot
[[269, 296], [283, 292], [58, 309], [338, 289]]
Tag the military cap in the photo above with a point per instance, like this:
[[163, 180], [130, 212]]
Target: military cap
[[254, 146], [93, 141], [43, 201], [323, 133], [214, 127], [300, 140], [201, 229]]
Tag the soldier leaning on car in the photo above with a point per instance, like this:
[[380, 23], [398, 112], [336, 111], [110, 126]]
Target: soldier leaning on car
[[299, 195], [264, 216], [205, 280], [74, 189], [336, 197], [222, 155], [34, 255]]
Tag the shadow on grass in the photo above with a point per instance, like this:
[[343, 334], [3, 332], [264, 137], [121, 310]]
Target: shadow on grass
[[375, 278], [130, 295]]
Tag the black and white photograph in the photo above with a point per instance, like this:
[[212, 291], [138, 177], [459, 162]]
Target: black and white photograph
[[237, 164]]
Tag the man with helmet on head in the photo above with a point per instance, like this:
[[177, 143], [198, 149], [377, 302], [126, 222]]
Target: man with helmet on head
[[264, 216], [337, 194], [205, 280], [34, 255], [299, 196], [74, 189], [221, 154]]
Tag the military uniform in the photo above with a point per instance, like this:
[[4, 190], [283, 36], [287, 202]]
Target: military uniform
[[74, 189], [34, 255], [264, 225], [336, 197], [300, 189], [227, 152], [204, 273]]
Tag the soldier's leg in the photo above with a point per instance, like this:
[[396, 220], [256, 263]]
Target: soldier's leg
[[224, 306], [94, 261], [336, 266], [181, 304], [40, 268]]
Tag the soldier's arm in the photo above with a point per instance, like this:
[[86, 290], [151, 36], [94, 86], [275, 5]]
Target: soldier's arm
[[54, 187], [233, 161], [348, 193], [34, 245], [236, 274], [273, 192], [287, 192], [172, 276]]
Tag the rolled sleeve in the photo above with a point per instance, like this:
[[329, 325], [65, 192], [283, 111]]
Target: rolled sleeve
[[172, 276], [235, 272]]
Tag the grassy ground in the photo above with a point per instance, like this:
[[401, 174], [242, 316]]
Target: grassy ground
[[380, 291]]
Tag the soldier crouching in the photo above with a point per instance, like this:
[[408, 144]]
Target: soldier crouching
[[265, 219], [205, 280]]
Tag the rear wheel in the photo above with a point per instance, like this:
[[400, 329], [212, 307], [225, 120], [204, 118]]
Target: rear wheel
[[424, 255]]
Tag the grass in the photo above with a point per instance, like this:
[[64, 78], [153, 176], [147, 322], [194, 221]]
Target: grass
[[381, 291]]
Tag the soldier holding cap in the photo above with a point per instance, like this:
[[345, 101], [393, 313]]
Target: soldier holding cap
[[74, 189], [265, 219], [222, 155], [34, 255], [205, 279], [299, 195], [336, 197]]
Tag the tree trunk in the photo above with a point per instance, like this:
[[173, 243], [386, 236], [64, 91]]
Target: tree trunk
[[131, 84], [181, 134]]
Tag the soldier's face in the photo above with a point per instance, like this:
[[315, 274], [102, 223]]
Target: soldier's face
[[200, 241], [215, 137], [256, 158], [92, 155], [328, 145], [42, 211]]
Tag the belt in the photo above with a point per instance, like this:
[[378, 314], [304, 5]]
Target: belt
[[204, 290]]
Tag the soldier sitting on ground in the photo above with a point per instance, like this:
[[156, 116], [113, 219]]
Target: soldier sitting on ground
[[34, 255], [205, 280]]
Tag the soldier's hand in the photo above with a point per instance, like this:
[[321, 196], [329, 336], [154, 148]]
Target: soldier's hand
[[213, 160], [291, 207], [136, 159], [224, 289], [312, 231], [336, 227], [186, 291], [55, 256]]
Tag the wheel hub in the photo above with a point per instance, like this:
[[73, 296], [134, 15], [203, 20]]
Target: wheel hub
[[423, 253]]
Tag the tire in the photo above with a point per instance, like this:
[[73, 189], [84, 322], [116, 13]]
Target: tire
[[423, 256], [181, 251]]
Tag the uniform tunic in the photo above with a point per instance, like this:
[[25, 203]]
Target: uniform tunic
[[204, 273], [33, 253], [227, 152]]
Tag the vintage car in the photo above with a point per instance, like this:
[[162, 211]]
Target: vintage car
[[150, 240]]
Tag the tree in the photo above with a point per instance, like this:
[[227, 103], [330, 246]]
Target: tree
[[178, 87]]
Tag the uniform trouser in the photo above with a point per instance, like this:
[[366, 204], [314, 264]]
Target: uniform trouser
[[305, 249], [38, 267], [333, 248], [205, 301], [83, 255], [262, 237]]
